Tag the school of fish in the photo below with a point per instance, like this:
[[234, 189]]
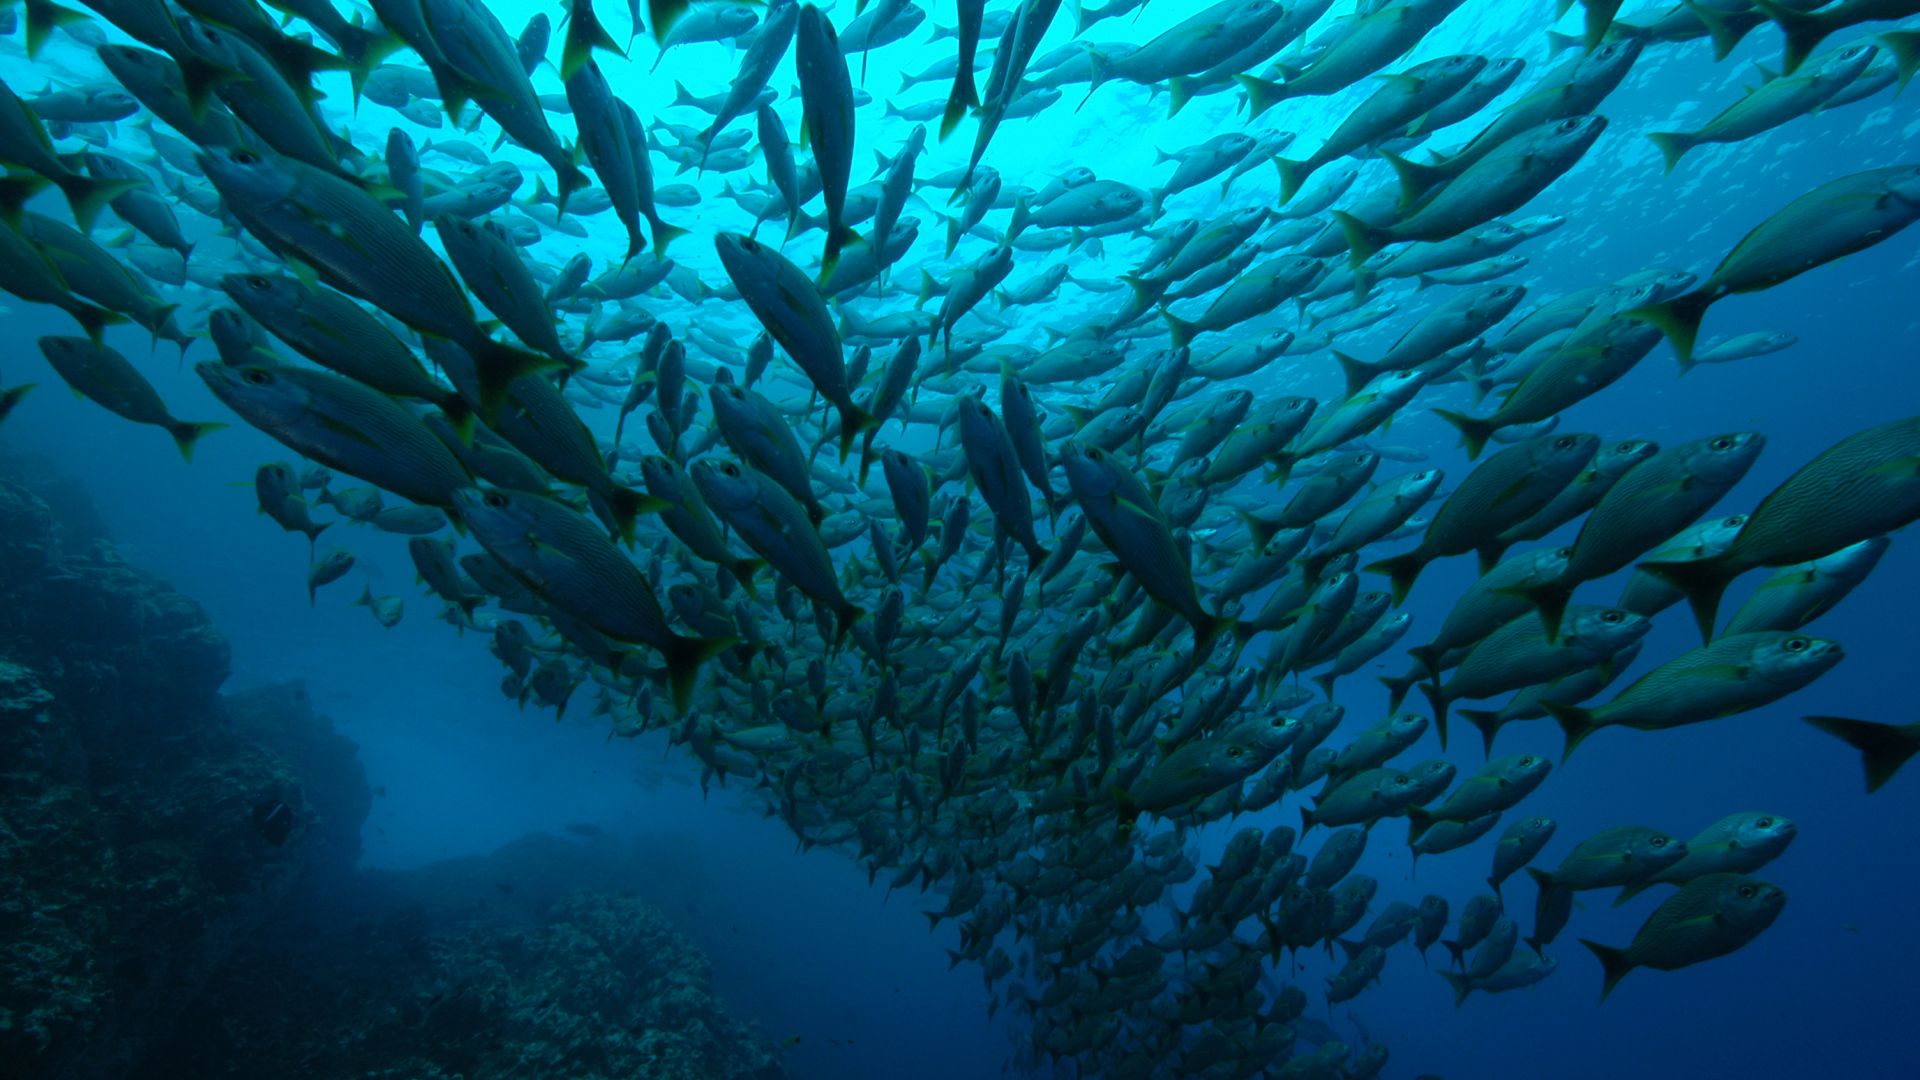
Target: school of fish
[[999, 603]]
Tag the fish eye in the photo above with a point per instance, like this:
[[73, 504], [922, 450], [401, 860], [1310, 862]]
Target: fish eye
[[1570, 125], [730, 469], [1234, 751], [1797, 644], [1765, 823], [1094, 454], [1748, 892], [1527, 761], [1564, 442], [245, 157], [1723, 443], [1734, 522], [1611, 617], [495, 500], [1625, 448], [258, 376], [1659, 841]]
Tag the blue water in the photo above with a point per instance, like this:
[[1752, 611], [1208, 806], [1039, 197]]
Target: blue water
[[802, 944]]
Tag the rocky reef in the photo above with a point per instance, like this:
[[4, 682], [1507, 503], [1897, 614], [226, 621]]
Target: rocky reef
[[150, 927], [597, 987]]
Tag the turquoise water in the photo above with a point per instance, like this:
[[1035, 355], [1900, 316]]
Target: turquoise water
[[801, 942]]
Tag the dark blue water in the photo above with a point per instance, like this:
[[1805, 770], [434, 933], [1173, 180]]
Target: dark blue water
[[803, 944]]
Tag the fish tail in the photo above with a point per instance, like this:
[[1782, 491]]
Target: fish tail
[[1180, 90], [15, 190], [1487, 721], [1614, 965], [93, 320], [1599, 18], [1883, 747], [1293, 174], [1358, 372], [743, 571], [1363, 240], [1313, 563], [1402, 570], [843, 621], [1474, 430], [1324, 681], [664, 234], [853, 421], [1575, 721], [185, 434], [1419, 820], [1208, 630], [313, 532], [684, 655], [87, 196], [1724, 34], [1673, 145], [1179, 330], [1397, 688], [1678, 318], [42, 17], [1461, 986], [1905, 47], [1262, 94], [1428, 657], [584, 34], [1415, 178], [1703, 581], [1550, 599], [1803, 32], [1437, 698], [496, 365], [965, 95], [459, 416], [1559, 42], [625, 505], [11, 396], [364, 49], [1454, 950], [568, 178], [1022, 217]]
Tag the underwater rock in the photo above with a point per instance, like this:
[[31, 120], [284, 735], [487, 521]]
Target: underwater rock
[[129, 870], [596, 986]]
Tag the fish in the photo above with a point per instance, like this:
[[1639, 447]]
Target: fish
[[343, 425], [1728, 676], [1736, 844], [104, 377], [1883, 747], [1499, 786], [1505, 490], [1031, 716], [570, 564], [1709, 917], [790, 307], [1655, 499], [1864, 486], [1834, 220]]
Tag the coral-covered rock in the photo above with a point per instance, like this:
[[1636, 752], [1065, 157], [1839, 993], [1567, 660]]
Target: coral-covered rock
[[129, 865], [597, 987]]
